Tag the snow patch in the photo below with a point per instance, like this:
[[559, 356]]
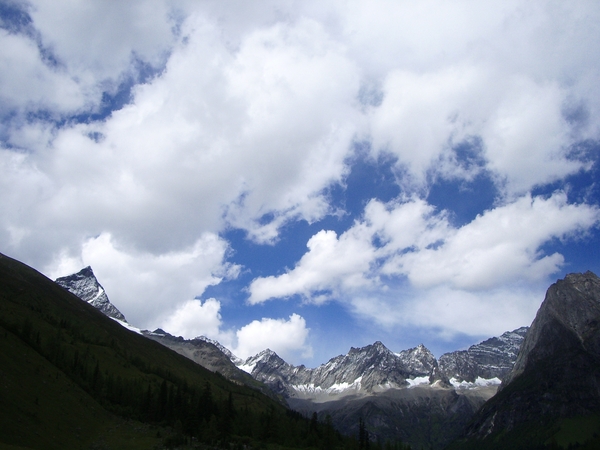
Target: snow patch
[[98, 294], [126, 325], [248, 368], [479, 382], [417, 381], [333, 389]]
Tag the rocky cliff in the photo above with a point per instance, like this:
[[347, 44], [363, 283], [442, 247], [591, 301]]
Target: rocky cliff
[[493, 358], [555, 381], [85, 286]]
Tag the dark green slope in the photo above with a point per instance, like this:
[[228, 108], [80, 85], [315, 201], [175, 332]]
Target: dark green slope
[[71, 377]]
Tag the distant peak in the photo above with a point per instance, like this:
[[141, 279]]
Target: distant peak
[[86, 272], [160, 331], [419, 349], [267, 352], [581, 277], [377, 345]]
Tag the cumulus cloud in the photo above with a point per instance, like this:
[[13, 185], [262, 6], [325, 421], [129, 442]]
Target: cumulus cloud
[[148, 289], [196, 318], [425, 116], [244, 117], [495, 73], [48, 88], [287, 338], [446, 312], [219, 138], [121, 33], [411, 241], [502, 245]]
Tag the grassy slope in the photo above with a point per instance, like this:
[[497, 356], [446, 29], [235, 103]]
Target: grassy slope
[[45, 406]]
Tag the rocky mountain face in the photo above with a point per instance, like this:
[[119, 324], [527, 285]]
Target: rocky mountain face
[[364, 371], [556, 378], [407, 395], [206, 353], [491, 359], [375, 368], [85, 286]]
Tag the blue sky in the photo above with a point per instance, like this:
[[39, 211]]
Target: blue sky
[[305, 176]]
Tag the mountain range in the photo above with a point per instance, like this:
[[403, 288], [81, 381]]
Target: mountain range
[[71, 377], [388, 390], [407, 395]]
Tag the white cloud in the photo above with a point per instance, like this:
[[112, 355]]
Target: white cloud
[[446, 312], [150, 289], [422, 116], [98, 41], [46, 88], [329, 264], [502, 245], [503, 73], [527, 137], [350, 262], [524, 134], [409, 240], [196, 318], [287, 338]]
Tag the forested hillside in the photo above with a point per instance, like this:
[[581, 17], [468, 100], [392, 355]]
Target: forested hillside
[[72, 378]]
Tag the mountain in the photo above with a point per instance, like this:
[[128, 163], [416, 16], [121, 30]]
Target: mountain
[[490, 359], [207, 353], [203, 351], [552, 394], [234, 359], [362, 371], [85, 286], [406, 395], [73, 378]]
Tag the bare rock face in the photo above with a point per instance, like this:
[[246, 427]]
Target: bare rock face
[[405, 395], [361, 371], [203, 352], [572, 306], [556, 375], [492, 358], [85, 286]]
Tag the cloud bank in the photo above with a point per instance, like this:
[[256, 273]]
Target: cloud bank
[[134, 136]]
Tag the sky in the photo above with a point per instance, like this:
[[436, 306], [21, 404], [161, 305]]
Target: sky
[[305, 176]]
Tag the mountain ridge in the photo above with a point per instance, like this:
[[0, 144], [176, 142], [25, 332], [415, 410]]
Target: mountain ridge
[[86, 286], [554, 385], [372, 383], [417, 365]]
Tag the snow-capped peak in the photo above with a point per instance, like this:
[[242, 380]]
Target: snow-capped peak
[[85, 286]]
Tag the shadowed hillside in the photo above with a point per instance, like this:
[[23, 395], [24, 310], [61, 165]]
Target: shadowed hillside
[[551, 398], [71, 377]]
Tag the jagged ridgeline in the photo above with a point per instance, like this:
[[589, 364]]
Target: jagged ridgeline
[[70, 377]]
